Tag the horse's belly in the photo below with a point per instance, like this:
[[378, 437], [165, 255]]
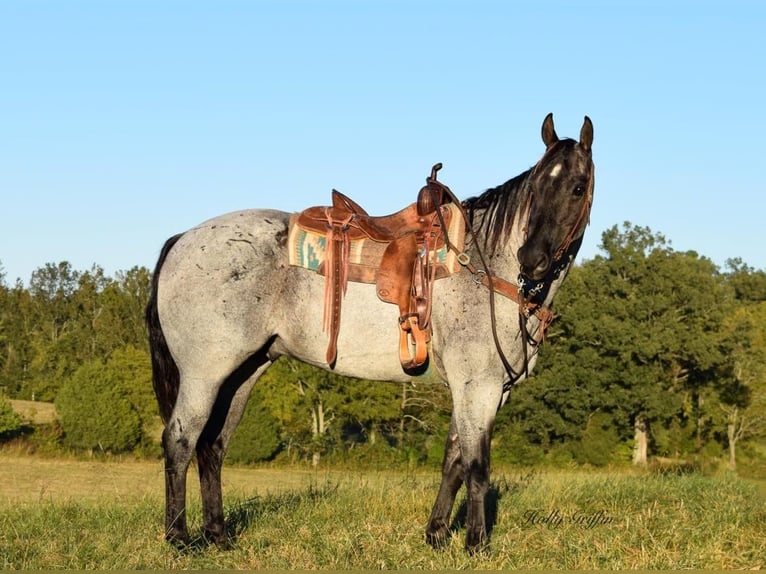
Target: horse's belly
[[368, 341]]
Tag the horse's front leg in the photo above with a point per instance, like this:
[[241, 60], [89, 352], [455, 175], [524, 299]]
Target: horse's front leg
[[476, 478], [452, 479], [474, 408]]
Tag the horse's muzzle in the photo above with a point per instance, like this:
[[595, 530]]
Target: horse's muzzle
[[534, 264]]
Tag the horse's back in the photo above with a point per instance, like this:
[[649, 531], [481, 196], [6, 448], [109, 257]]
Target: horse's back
[[227, 250]]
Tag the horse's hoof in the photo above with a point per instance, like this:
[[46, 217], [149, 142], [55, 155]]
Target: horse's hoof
[[180, 540], [219, 539], [477, 544], [437, 538]]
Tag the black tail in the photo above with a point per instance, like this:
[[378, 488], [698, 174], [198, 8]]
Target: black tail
[[165, 377]]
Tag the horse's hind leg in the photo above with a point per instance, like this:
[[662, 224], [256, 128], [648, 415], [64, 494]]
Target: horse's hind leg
[[179, 439], [452, 478], [211, 450], [210, 455]]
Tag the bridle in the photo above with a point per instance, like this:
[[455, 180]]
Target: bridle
[[531, 287]]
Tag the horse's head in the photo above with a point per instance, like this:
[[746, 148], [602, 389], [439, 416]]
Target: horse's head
[[560, 195]]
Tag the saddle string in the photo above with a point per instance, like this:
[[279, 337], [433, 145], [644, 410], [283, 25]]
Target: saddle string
[[338, 248], [524, 301]]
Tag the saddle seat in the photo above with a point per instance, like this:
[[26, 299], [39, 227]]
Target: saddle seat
[[376, 228], [401, 253]]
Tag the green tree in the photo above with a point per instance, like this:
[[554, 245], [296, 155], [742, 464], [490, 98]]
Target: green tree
[[315, 408], [111, 311], [16, 332], [132, 369], [373, 406], [749, 284], [742, 396], [52, 289], [9, 420], [305, 400], [133, 288], [599, 444], [65, 319], [5, 317], [640, 340], [425, 406]]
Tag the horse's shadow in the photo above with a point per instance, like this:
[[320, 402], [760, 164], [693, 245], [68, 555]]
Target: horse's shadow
[[491, 503], [243, 514]]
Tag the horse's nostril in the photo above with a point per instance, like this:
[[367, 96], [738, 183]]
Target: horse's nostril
[[535, 266], [541, 268]]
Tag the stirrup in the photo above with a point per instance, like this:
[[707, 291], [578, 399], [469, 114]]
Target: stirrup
[[413, 343]]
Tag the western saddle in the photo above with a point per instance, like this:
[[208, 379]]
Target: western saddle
[[402, 254]]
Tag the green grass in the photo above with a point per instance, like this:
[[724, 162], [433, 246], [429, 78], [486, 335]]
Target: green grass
[[369, 520]]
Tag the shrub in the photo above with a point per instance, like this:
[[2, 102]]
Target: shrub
[[257, 436], [510, 445], [10, 422], [95, 412], [599, 444]]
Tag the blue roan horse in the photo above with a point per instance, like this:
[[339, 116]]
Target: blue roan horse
[[225, 304]]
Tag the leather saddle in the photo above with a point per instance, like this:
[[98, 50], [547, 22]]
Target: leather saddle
[[402, 254]]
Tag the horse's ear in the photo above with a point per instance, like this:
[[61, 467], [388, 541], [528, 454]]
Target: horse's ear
[[586, 134], [549, 134]]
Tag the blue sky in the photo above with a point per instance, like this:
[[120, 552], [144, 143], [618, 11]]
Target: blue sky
[[122, 123]]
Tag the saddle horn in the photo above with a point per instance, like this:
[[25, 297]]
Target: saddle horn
[[432, 195]]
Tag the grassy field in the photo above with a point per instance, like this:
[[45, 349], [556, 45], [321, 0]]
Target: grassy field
[[107, 515]]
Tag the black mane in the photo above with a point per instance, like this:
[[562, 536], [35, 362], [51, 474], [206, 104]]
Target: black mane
[[491, 214]]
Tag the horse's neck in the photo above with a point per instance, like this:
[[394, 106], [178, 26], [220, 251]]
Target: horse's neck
[[503, 262]]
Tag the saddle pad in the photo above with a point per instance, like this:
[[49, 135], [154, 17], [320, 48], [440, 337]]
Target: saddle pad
[[308, 248]]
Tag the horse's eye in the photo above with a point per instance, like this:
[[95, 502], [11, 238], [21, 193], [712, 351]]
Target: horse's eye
[[578, 191]]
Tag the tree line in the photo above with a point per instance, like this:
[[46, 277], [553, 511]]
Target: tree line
[[656, 353]]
